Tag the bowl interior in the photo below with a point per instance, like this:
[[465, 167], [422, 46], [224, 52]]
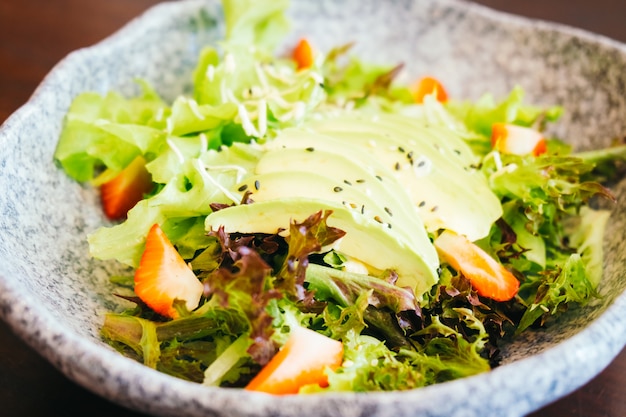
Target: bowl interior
[[47, 276]]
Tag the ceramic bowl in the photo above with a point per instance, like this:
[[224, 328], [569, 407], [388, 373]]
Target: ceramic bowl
[[54, 296]]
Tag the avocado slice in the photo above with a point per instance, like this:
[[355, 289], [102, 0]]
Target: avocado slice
[[294, 183], [366, 240], [432, 165], [346, 159], [341, 177]]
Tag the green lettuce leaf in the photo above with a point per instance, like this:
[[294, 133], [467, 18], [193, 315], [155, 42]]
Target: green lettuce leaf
[[479, 116], [109, 131], [261, 23]]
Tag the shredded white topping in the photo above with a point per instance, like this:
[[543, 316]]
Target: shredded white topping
[[262, 117], [210, 72], [204, 142], [265, 85], [229, 63], [299, 110], [201, 168], [241, 172], [497, 160], [246, 123], [176, 150], [193, 106], [231, 96]]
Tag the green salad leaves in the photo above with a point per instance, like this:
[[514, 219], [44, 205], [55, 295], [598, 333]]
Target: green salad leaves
[[310, 196]]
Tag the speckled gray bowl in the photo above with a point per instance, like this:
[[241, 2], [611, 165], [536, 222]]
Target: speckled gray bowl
[[54, 296]]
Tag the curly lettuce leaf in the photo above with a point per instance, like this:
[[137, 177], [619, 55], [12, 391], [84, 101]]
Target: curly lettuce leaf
[[109, 131]]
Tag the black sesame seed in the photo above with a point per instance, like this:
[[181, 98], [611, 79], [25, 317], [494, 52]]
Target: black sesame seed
[[337, 189], [362, 209], [243, 187], [389, 225], [456, 151], [421, 163], [347, 182], [410, 155], [310, 149], [257, 185], [401, 149], [388, 210], [421, 204], [397, 166], [379, 178], [360, 181]]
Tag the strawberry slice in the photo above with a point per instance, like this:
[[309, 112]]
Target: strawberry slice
[[488, 277], [124, 191], [303, 360], [517, 140], [303, 54], [163, 276], [427, 86]]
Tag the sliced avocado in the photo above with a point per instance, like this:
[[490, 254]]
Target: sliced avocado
[[366, 240], [340, 177], [292, 183], [349, 160], [433, 165]]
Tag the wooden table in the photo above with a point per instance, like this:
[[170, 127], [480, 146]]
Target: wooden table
[[36, 34]]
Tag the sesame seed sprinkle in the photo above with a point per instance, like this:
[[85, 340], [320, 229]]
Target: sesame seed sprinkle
[[388, 210], [337, 189], [243, 187], [257, 185]]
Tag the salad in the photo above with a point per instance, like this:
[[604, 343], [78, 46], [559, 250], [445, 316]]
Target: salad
[[308, 223]]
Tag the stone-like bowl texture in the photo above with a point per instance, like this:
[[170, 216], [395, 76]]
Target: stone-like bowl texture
[[54, 296]]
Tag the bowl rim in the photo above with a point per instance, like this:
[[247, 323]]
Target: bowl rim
[[98, 361]]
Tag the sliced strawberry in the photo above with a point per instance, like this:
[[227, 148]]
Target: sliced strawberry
[[427, 86], [163, 276], [517, 140], [303, 360], [124, 191], [303, 54], [488, 277]]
